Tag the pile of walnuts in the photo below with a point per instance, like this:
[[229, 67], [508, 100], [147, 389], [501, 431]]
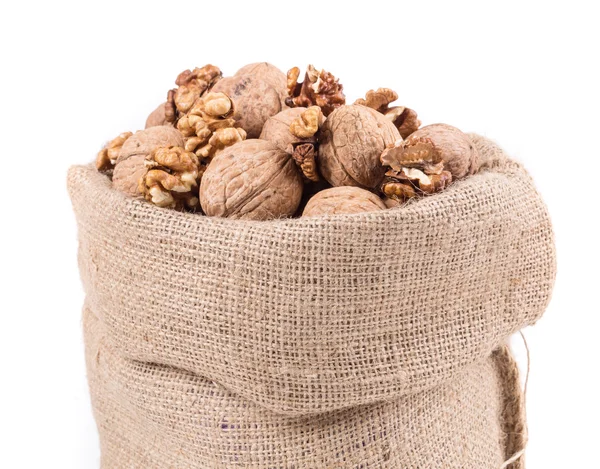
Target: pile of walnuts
[[261, 145]]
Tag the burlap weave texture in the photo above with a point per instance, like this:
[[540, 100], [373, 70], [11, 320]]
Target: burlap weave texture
[[313, 332]]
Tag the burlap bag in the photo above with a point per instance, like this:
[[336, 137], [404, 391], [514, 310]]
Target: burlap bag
[[355, 341]]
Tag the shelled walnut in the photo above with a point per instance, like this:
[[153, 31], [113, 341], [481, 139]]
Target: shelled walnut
[[405, 119], [171, 179], [319, 88], [351, 142], [251, 180], [107, 157], [192, 84], [209, 127], [344, 199]]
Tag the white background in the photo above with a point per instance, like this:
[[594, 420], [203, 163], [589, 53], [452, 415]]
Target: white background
[[75, 75]]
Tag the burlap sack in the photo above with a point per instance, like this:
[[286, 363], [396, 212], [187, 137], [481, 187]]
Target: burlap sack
[[353, 341]]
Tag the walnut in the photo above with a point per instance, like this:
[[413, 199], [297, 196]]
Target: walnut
[[410, 182], [221, 139], [405, 119], [277, 128], [433, 148], [252, 180], [343, 199], [294, 131], [107, 157], [304, 155], [427, 161], [351, 142], [255, 101], [391, 203], [192, 85], [171, 179], [130, 165], [158, 116], [209, 127], [307, 123], [319, 88], [268, 73]]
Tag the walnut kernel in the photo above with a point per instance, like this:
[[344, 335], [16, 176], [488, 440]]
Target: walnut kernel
[[171, 179], [405, 119], [107, 157], [319, 88]]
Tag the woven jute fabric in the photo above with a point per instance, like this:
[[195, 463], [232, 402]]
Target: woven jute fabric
[[316, 336], [157, 417]]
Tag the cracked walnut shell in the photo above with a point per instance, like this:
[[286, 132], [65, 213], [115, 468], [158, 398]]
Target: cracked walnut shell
[[435, 146], [351, 142], [251, 180], [130, 165], [345, 199]]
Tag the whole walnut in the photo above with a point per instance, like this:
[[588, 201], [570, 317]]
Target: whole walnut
[[351, 142], [343, 199], [451, 145], [130, 165], [268, 73], [254, 98], [277, 128], [251, 180], [158, 117]]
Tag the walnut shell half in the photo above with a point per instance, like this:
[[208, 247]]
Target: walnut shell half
[[345, 199], [352, 140], [251, 180], [255, 101]]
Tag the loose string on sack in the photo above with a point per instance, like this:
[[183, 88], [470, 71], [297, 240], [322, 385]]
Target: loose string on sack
[[519, 454]]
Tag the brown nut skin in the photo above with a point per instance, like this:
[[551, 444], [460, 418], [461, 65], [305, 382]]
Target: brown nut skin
[[130, 166], [268, 73], [351, 142], [158, 117], [277, 128], [344, 199], [251, 180], [457, 151], [255, 101]]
